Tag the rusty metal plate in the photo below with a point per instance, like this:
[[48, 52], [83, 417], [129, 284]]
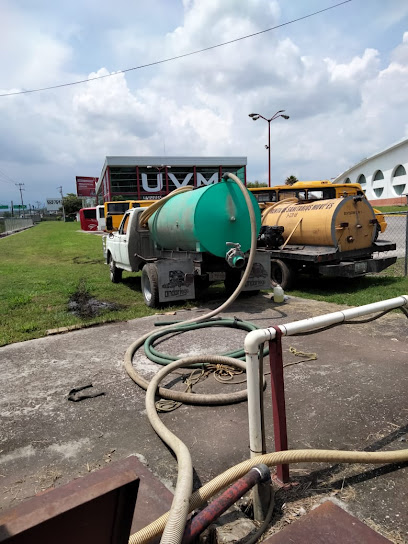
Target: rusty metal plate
[[327, 524], [96, 508]]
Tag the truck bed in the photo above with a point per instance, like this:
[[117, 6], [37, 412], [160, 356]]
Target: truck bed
[[322, 254]]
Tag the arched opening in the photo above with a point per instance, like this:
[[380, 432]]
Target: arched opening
[[378, 183], [362, 181], [399, 180]]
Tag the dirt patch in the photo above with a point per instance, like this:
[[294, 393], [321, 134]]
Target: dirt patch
[[82, 304], [85, 260]]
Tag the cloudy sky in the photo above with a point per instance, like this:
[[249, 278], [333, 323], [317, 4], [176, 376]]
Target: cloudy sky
[[341, 75]]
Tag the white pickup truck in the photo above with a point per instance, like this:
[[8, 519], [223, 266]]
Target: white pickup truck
[[168, 274]]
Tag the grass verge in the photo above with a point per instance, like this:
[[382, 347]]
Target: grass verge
[[355, 291], [386, 209], [45, 270], [44, 267]]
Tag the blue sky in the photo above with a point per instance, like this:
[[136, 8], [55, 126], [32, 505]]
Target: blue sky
[[342, 76]]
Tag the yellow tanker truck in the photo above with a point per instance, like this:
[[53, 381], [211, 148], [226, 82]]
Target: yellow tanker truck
[[335, 237]]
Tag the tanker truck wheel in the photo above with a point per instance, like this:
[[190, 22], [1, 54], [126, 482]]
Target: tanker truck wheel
[[281, 274], [150, 285], [115, 273]]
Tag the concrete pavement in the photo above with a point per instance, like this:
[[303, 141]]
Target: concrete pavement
[[354, 396]]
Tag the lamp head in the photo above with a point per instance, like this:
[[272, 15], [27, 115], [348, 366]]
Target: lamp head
[[254, 116], [285, 116]]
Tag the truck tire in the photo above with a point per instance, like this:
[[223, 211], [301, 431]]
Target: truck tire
[[150, 285], [281, 274], [115, 273]]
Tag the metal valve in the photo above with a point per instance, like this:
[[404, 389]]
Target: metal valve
[[235, 257]]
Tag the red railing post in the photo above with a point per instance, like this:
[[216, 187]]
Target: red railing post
[[278, 402]]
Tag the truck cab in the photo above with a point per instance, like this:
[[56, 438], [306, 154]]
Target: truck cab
[[124, 248]]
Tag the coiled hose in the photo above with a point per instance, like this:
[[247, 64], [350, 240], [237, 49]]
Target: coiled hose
[[174, 529], [173, 522]]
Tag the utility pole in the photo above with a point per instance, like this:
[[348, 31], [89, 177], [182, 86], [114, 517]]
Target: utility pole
[[62, 198], [20, 185]]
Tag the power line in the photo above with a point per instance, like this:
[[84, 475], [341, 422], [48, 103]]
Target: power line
[[178, 56], [6, 179]]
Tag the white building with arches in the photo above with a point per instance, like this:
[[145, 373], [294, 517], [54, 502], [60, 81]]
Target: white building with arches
[[383, 177]]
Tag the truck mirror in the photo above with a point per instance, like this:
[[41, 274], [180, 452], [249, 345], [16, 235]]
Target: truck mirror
[[109, 223]]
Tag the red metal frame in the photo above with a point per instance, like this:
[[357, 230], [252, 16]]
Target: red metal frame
[[138, 183], [278, 402], [167, 179], [109, 184]]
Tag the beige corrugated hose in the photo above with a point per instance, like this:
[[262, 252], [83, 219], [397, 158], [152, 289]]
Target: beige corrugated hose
[[225, 479], [173, 522], [176, 520]]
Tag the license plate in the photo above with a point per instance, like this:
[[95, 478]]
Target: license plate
[[360, 268], [216, 276]]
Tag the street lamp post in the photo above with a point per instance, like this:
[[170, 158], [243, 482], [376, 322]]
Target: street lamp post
[[255, 117]]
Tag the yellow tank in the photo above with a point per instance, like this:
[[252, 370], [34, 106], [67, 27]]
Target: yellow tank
[[345, 223]]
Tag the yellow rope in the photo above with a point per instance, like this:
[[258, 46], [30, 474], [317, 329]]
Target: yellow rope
[[307, 356], [223, 374]]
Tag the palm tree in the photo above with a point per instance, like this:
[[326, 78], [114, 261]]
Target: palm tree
[[291, 180]]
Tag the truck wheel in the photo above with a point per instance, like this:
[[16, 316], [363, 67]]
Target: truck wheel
[[150, 285], [281, 274], [115, 273]]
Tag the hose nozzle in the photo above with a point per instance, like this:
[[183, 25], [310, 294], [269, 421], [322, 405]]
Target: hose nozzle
[[235, 257]]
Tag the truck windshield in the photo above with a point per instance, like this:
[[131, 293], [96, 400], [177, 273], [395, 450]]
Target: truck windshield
[[117, 208]]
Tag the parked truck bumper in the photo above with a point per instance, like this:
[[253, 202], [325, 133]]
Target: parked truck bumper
[[352, 269]]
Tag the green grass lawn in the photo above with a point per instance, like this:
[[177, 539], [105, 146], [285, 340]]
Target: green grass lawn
[[43, 267], [386, 209], [355, 291]]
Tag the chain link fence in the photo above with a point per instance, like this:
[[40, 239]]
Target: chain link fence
[[397, 232]]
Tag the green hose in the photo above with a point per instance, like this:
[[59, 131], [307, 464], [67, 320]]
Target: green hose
[[164, 359]]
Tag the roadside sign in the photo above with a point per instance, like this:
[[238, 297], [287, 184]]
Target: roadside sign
[[20, 207], [86, 186], [54, 204], [3, 207]]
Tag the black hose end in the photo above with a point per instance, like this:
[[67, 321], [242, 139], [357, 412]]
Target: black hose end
[[264, 472]]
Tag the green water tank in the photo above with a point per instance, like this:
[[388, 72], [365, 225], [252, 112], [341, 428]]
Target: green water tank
[[205, 219]]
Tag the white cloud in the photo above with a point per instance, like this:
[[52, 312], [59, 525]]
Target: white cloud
[[340, 110]]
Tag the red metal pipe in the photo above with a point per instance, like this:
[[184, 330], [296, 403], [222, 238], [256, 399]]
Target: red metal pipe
[[278, 402], [258, 474]]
